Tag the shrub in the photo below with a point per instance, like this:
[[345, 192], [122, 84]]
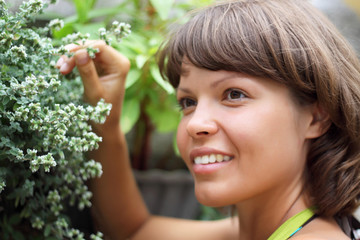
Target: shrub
[[44, 130]]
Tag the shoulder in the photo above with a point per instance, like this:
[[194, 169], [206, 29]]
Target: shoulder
[[179, 229], [321, 229]]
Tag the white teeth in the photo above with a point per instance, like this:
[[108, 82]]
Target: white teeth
[[197, 160], [205, 159], [212, 158], [226, 158], [219, 158]]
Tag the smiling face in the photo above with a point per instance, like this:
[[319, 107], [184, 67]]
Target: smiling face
[[241, 137]]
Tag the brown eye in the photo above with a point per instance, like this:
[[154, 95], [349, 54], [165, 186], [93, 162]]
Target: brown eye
[[185, 103], [233, 94]]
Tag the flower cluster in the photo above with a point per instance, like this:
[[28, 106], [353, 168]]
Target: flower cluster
[[118, 29], [31, 8], [56, 24], [76, 38], [44, 129]]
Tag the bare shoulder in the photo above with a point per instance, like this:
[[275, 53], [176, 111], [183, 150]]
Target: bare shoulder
[[321, 229], [164, 228]]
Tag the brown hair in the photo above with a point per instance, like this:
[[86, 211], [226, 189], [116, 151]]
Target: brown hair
[[290, 42]]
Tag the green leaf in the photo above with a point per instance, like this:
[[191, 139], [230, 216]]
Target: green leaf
[[141, 60], [155, 73], [18, 235], [82, 9], [67, 29], [47, 230], [200, 3], [167, 121], [104, 12], [164, 114], [136, 42], [130, 114], [133, 75], [162, 7], [92, 3], [5, 100], [14, 219]]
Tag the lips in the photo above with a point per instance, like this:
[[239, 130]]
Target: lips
[[207, 161], [208, 156]]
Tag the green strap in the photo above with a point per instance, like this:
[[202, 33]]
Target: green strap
[[292, 225]]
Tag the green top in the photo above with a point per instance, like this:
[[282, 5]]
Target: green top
[[293, 225]]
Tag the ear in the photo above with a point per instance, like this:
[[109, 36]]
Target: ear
[[320, 122]]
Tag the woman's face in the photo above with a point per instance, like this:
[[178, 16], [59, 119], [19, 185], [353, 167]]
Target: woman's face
[[242, 137]]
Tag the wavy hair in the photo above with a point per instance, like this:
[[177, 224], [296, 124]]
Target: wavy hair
[[291, 42]]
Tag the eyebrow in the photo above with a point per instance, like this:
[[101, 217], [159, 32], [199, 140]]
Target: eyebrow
[[214, 84], [217, 82], [185, 90]]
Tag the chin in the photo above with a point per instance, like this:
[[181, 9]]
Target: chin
[[212, 198]]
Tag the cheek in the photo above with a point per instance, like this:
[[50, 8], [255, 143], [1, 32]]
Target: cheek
[[268, 133]]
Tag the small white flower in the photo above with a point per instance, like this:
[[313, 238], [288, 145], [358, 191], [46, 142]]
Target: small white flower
[[56, 24]]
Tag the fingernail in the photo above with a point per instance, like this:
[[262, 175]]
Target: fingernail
[[71, 47], [81, 58], [59, 63], [64, 67]]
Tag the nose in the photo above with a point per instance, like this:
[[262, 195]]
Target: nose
[[202, 122]]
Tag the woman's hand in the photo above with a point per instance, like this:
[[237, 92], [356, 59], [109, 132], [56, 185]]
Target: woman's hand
[[103, 77]]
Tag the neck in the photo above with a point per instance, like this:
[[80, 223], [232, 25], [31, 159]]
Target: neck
[[259, 218]]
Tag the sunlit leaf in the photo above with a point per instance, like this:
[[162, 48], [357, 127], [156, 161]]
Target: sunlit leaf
[[162, 7], [164, 114], [67, 29], [130, 114], [141, 60], [82, 9], [133, 75], [155, 73]]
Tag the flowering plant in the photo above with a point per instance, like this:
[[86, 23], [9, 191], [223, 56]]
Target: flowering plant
[[44, 129]]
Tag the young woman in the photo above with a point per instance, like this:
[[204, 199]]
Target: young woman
[[270, 94]]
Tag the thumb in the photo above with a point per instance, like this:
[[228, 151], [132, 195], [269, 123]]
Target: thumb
[[93, 90]]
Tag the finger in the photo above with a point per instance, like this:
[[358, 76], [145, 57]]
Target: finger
[[73, 47], [67, 66], [61, 61], [93, 89], [112, 59], [111, 64], [108, 56]]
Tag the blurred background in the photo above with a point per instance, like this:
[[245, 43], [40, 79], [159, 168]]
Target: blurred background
[[150, 115]]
